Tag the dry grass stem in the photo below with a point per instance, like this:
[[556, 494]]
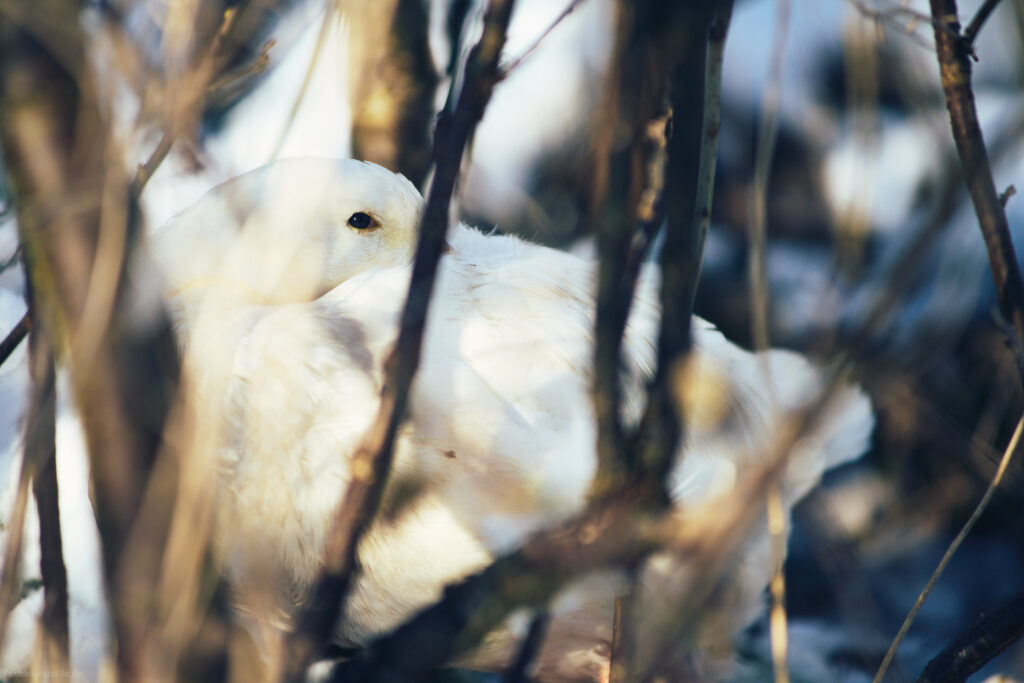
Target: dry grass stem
[[950, 551]]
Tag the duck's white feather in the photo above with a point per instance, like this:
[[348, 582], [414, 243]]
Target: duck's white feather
[[500, 437]]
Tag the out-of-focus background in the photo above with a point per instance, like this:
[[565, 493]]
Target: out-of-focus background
[[865, 201]]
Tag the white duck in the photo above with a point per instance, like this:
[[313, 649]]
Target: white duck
[[287, 283]]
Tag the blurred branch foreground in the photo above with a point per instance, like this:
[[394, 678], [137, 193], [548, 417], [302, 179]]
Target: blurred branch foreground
[[79, 220]]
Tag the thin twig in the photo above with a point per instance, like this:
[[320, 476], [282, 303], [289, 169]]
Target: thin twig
[[10, 574], [888, 14], [976, 646], [767, 135], [759, 308], [14, 338], [778, 633], [530, 648], [953, 547], [623, 633], [206, 79], [980, 17], [512, 65], [717, 34], [11, 260], [373, 456]]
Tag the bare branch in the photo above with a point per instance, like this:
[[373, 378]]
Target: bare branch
[[955, 72], [661, 428], [709, 149], [514, 64], [891, 13], [767, 134], [372, 460], [528, 651], [976, 646], [40, 453], [659, 45], [14, 338], [607, 534], [980, 17], [951, 550], [10, 573], [623, 634]]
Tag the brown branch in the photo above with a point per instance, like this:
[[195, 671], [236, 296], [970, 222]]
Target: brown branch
[[976, 646], [955, 72], [41, 452], [657, 43], [623, 644], [609, 533], [10, 573], [372, 459], [683, 248], [634, 100], [14, 338]]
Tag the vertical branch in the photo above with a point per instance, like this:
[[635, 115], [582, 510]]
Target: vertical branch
[[634, 101], [40, 455], [659, 44], [373, 457], [681, 254], [392, 115], [530, 649], [771, 99], [955, 72], [717, 33]]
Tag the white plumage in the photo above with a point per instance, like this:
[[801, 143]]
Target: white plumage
[[287, 313]]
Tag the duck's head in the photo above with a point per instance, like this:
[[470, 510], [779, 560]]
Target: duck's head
[[287, 232]]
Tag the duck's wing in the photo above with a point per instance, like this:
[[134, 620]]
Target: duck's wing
[[736, 403]]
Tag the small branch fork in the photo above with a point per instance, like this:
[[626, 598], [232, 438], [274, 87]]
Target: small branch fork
[[970, 34], [372, 460]]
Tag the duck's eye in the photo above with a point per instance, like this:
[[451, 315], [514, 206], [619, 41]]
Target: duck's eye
[[362, 221]]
